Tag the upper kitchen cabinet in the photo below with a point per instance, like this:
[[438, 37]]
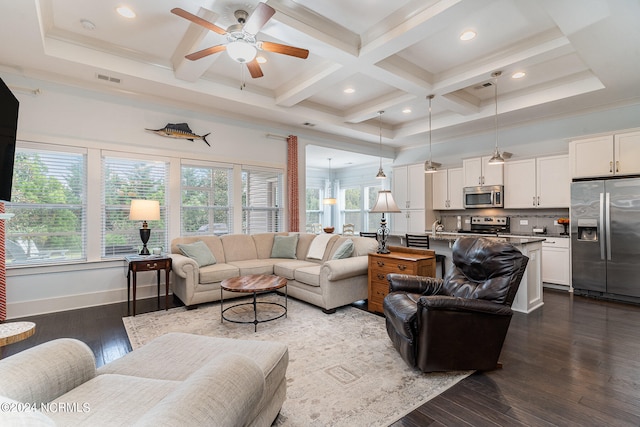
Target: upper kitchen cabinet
[[408, 186], [544, 182], [447, 189], [607, 155], [478, 171]]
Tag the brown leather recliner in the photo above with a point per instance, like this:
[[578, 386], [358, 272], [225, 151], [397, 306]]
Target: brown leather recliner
[[459, 322]]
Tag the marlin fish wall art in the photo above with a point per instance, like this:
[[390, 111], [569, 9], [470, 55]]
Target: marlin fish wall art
[[180, 131]]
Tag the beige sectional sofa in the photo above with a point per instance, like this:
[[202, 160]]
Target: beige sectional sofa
[[312, 273], [176, 379]]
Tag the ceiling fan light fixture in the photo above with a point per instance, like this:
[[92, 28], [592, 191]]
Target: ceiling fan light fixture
[[241, 51]]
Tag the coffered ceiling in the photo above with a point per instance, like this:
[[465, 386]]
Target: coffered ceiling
[[577, 55]]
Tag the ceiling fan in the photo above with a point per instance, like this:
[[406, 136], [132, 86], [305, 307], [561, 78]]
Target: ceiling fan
[[242, 44]]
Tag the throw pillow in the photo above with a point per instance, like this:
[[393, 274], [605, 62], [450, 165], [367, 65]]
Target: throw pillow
[[199, 252], [344, 250], [284, 246]]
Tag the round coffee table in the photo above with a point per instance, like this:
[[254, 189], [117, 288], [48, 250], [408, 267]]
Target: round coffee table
[[254, 284], [11, 332]]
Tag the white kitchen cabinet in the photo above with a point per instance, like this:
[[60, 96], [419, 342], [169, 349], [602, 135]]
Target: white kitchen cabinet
[[556, 261], [608, 155], [544, 182], [478, 171], [447, 189], [408, 221], [409, 186], [529, 296]]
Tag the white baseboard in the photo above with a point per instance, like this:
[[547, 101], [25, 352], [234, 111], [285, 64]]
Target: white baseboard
[[21, 309]]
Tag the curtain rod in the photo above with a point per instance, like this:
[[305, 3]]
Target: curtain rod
[[274, 136]]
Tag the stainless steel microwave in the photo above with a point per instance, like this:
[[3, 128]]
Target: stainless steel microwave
[[488, 196]]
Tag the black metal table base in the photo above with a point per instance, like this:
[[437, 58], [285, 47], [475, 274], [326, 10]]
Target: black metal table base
[[254, 303]]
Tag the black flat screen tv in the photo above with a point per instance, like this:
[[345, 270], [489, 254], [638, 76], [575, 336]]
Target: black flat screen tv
[[8, 128]]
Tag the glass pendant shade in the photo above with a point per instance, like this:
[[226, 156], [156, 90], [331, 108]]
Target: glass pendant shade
[[380, 174], [329, 200], [429, 167], [241, 51], [496, 158]]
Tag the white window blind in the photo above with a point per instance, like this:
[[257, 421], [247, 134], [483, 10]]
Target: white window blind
[[207, 200], [125, 179], [262, 200], [49, 203]]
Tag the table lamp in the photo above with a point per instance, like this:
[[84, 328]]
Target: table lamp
[[384, 204], [145, 210]]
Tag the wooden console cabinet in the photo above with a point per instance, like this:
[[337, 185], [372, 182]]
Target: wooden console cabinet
[[420, 262]]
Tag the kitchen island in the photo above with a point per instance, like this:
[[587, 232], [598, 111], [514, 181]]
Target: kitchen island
[[529, 296]]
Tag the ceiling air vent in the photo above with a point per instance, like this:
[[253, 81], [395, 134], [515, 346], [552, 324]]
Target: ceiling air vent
[[483, 85], [108, 78], [309, 124]]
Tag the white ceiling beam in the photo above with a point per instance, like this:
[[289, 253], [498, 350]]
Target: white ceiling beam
[[192, 41], [370, 109]]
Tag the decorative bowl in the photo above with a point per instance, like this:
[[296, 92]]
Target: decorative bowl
[[329, 230]]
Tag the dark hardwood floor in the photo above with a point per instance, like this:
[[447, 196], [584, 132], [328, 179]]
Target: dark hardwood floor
[[574, 362]]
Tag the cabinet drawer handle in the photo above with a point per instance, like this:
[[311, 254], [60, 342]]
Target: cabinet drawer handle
[[534, 200], [380, 276], [538, 200], [402, 267], [155, 265], [380, 263], [610, 166]]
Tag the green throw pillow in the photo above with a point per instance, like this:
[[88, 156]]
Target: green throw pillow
[[284, 246], [199, 252], [344, 250]]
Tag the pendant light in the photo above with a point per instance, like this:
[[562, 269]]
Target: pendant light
[[497, 158], [329, 200], [429, 166], [380, 174]]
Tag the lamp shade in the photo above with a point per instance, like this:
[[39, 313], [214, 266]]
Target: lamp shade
[[385, 203], [144, 210], [241, 51], [329, 201]]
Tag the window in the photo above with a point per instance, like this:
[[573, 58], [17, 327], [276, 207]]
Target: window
[[351, 200], [125, 179], [207, 202], [49, 203], [314, 207], [262, 190]]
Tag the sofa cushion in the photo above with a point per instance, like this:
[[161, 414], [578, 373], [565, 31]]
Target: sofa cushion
[[113, 400], [284, 246], [264, 243], [213, 243], [239, 247], [304, 241], [199, 252], [287, 269], [344, 250], [308, 275], [218, 394], [363, 246], [254, 266], [10, 415], [185, 353], [218, 272]]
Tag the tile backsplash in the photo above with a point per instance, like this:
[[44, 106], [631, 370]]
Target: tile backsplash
[[522, 221]]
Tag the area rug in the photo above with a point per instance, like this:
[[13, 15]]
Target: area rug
[[343, 369]]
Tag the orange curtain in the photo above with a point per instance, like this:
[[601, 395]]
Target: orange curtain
[[292, 183], [3, 275]]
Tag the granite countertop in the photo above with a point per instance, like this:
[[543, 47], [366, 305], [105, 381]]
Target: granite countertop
[[513, 239]]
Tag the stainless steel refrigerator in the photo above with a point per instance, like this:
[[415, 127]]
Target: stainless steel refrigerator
[[605, 236]]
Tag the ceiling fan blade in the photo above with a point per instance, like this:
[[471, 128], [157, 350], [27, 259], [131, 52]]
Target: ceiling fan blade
[[206, 52], [284, 49], [197, 20], [254, 69], [258, 18]]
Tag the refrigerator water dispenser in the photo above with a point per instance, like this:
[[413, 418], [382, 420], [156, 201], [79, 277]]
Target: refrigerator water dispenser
[[588, 229]]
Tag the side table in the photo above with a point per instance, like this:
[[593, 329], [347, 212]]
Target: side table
[[148, 263], [419, 262], [11, 332]]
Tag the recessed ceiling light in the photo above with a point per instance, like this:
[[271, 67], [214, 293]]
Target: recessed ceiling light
[[406, 110], [126, 12], [467, 35], [261, 59], [349, 90], [518, 75]]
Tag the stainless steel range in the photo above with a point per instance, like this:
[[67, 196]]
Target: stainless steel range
[[489, 225]]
